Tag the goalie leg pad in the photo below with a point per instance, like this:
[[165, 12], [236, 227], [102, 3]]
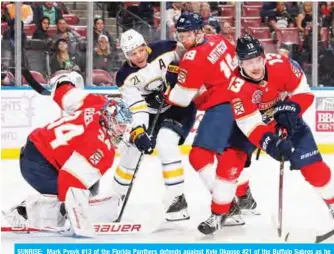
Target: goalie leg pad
[[78, 212], [104, 207], [44, 211]]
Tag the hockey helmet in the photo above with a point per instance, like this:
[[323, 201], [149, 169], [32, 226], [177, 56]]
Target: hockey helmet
[[131, 40], [189, 21], [248, 47], [116, 117]]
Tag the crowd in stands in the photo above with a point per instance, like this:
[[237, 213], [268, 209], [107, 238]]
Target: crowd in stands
[[51, 28]]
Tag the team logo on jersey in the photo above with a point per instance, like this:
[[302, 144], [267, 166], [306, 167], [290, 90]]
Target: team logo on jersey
[[257, 96], [96, 157], [238, 108], [181, 78], [155, 85], [263, 83]]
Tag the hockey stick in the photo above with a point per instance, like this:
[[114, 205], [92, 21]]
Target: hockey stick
[[280, 190], [155, 120], [100, 229]]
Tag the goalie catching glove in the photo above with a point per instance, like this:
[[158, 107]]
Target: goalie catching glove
[[142, 140]]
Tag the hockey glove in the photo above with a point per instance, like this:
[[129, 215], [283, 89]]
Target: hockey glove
[[276, 146], [286, 116], [141, 140]]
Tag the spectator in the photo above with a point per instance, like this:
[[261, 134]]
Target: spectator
[[205, 11], [268, 10], [27, 13], [146, 11], [192, 6], [49, 10], [9, 34], [8, 45], [102, 58], [281, 18], [41, 32], [227, 32], [172, 15], [7, 78], [212, 26], [65, 32], [99, 30], [285, 50], [304, 19], [292, 9], [65, 60], [326, 70]]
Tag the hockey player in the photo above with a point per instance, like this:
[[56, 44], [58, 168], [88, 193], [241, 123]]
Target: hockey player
[[271, 94], [65, 160], [142, 80], [205, 73]]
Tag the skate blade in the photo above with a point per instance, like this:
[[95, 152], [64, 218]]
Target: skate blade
[[248, 212], [177, 216], [235, 220]]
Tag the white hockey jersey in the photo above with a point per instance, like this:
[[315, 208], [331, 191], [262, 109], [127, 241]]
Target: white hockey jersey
[[136, 84]]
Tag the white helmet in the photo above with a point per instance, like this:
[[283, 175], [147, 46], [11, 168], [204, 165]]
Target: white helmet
[[131, 40], [66, 76]]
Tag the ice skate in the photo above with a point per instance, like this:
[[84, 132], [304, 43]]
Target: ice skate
[[214, 223], [17, 216], [234, 216], [247, 204], [177, 210]]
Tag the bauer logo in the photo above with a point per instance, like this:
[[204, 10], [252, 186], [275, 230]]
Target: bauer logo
[[324, 118]]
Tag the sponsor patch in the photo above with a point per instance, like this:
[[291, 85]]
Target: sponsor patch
[[238, 108], [173, 68], [96, 157], [181, 78]]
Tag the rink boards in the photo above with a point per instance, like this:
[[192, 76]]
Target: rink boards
[[22, 110]]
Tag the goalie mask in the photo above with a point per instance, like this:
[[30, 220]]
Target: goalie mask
[[116, 118]]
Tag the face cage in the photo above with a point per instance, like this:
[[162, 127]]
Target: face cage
[[116, 126]]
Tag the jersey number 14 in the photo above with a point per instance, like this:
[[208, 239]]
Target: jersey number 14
[[65, 131]]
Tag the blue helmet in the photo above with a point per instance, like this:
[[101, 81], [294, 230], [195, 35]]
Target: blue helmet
[[189, 21]]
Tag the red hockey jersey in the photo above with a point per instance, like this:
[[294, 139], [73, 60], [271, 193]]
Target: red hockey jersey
[[76, 145], [204, 75], [253, 103]]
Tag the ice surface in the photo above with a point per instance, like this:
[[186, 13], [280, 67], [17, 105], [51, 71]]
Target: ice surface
[[304, 212]]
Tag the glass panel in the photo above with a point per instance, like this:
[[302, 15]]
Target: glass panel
[[224, 13], [8, 44], [67, 51], [326, 44]]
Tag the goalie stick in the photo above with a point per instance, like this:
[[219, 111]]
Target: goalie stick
[[99, 228]]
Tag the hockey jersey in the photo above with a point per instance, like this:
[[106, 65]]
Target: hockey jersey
[[204, 75], [137, 84], [76, 145], [253, 102]]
